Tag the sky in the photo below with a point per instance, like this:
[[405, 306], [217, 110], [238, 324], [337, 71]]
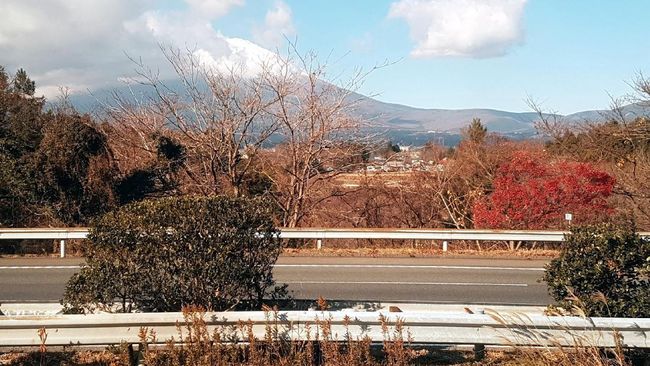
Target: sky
[[569, 56]]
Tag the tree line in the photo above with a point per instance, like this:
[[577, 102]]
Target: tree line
[[287, 135]]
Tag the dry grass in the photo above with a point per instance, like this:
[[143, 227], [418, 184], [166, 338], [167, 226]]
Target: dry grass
[[433, 357], [377, 252], [111, 357], [420, 252], [569, 350], [199, 345], [352, 247], [421, 244], [536, 357]]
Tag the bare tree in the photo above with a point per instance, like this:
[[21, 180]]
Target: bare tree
[[226, 118], [218, 114], [313, 119]]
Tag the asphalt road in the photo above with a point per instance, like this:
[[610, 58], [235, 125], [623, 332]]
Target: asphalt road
[[431, 280]]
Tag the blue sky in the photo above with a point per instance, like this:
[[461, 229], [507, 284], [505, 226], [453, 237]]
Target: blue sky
[[567, 54]]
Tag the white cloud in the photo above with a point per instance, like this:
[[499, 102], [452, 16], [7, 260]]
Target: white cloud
[[178, 29], [278, 24], [467, 28], [209, 45], [82, 44], [68, 32], [67, 42], [212, 9]]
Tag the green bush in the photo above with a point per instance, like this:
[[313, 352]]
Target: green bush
[[161, 255], [603, 259]]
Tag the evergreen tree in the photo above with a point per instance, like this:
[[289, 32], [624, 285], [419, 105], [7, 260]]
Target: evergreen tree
[[476, 132], [4, 79], [23, 84], [55, 166], [20, 134]]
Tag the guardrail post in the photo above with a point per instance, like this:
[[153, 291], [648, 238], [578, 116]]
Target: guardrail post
[[479, 349], [479, 352], [140, 354], [62, 248], [444, 246], [319, 244]]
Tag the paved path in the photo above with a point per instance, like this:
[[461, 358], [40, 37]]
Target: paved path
[[435, 280]]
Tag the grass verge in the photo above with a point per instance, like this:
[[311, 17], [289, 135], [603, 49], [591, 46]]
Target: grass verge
[[197, 345]]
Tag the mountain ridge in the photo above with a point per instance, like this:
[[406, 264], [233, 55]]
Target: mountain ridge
[[394, 115], [411, 125]]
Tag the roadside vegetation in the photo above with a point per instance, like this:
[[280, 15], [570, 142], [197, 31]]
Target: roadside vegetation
[[184, 189], [602, 271], [213, 252], [290, 140], [196, 344]]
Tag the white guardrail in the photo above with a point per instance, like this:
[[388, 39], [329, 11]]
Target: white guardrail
[[321, 234], [424, 327]]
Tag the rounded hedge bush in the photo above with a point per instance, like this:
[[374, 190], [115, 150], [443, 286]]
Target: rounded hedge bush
[[161, 255], [603, 269]]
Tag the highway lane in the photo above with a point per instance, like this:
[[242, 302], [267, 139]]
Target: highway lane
[[435, 280]]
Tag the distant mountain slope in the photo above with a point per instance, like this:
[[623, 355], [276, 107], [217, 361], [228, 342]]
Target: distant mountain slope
[[399, 116], [417, 125], [629, 111]]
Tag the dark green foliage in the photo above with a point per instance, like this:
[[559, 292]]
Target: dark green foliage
[[603, 259], [4, 78], [138, 185], [160, 255], [384, 149], [21, 131], [21, 120], [156, 179], [73, 168], [475, 132], [171, 150], [365, 155], [23, 84], [256, 184], [56, 166]]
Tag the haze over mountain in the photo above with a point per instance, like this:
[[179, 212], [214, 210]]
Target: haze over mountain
[[398, 116], [415, 126]]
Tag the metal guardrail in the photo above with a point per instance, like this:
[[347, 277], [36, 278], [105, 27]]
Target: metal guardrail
[[423, 327], [328, 233], [61, 234], [445, 235], [44, 233], [321, 234]]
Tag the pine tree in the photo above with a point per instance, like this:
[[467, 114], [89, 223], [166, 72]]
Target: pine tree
[[4, 79], [23, 84], [476, 132]]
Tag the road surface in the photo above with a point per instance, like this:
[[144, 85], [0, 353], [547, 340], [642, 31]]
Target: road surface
[[358, 279]]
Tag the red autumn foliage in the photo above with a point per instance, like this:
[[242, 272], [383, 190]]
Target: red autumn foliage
[[531, 192]]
